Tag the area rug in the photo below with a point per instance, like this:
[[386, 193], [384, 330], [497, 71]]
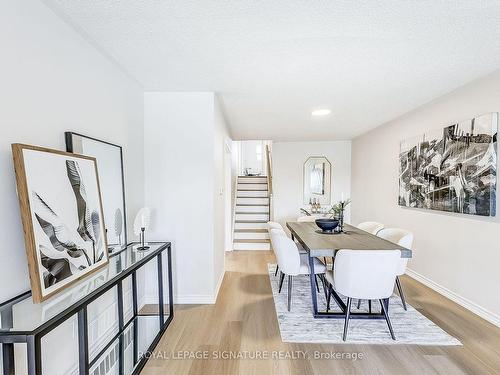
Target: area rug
[[299, 326]]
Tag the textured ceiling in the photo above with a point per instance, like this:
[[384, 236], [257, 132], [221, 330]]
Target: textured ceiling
[[273, 61]]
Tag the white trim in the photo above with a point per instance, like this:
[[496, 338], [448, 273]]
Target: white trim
[[188, 299], [200, 299], [219, 283], [464, 302], [141, 301], [194, 299]]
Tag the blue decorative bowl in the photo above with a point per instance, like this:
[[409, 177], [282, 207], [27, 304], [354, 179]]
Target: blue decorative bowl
[[327, 225]]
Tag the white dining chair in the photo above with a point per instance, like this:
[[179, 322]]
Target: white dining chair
[[306, 219], [364, 274], [372, 227], [404, 238], [278, 227], [290, 262], [274, 225]]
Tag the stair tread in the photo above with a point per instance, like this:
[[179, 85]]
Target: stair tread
[[252, 176], [253, 204], [244, 230], [251, 221], [252, 240], [251, 213], [252, 190], [252, 197]]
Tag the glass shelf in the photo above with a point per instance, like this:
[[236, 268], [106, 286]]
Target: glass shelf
[[28, 317]]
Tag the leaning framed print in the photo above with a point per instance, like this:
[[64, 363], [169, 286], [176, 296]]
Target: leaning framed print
[[62, 216]]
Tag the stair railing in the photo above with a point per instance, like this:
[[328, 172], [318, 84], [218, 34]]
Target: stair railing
[[269, 180]]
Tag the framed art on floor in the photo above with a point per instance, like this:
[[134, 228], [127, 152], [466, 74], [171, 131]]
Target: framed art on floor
[[62, 216]]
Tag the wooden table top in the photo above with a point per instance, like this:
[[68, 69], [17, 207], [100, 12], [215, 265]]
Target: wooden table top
[[320, 244]]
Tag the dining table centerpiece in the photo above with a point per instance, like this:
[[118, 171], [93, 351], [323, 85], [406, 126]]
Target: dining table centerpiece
[[337, 212]]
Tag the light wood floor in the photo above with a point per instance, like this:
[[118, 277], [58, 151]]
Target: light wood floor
[[244, 319]]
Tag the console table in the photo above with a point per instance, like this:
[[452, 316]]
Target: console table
[[124, 350]]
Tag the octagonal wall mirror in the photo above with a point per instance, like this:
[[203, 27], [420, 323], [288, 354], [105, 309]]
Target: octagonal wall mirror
[[110, 169], [317, 180]]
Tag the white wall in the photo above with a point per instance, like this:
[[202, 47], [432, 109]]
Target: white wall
[[183, 177], [252, 156], [459, 253], [53, 81], [288, 165], [222, 192]]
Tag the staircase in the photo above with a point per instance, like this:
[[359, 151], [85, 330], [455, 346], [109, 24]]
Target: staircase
[[251, 214]]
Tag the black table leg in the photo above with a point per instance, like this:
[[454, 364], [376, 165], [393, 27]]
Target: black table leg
[[34, 355], [312, 277], [326, 314], [83, 342], [170, 285], [121, 323], [8, 358], [160, 291], [6, 317]]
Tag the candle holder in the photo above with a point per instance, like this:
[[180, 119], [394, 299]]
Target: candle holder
[[141, 223], [337, 212], [142, 239]]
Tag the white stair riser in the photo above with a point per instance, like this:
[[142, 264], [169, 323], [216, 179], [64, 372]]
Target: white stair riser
[[255, 180], [263, 208], [263, 201], [253, 193], [251, 246], [262, 187], [251, 236], [251, 216], [250, 225]]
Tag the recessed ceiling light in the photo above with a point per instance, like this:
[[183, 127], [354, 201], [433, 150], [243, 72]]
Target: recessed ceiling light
[[321, 112]]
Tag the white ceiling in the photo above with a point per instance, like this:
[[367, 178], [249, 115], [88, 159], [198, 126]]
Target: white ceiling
[[273, 61]]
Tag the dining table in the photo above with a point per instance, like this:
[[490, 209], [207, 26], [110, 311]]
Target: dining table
[[319, 244]]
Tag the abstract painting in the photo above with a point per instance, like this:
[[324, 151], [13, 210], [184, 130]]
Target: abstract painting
[[110, 167], [452, 169], [62, 217]]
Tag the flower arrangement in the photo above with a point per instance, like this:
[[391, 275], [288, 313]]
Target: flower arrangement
[[337, 211]]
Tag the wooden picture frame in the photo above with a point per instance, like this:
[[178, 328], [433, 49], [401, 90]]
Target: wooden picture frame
[[62, 217]]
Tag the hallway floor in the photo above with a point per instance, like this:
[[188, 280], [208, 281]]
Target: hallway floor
[[243, 324]]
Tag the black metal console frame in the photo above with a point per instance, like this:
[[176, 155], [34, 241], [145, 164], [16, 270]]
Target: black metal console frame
[[33, 338]]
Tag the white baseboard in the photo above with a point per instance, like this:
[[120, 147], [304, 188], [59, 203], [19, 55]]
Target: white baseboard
[[142, 301], [464, 302], [189, 299], [194, 299], [219, 283]]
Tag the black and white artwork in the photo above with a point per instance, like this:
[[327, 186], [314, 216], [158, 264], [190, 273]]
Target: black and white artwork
[[110, 167], [452, 169], [66, 218]]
